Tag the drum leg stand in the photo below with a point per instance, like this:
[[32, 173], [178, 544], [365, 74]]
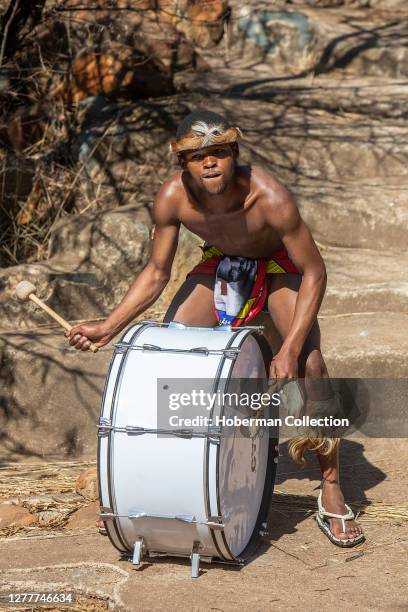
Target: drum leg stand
[[138, 551], [195, 559]]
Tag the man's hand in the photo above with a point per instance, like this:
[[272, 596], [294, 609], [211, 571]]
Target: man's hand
[[284, 365], [81, 336]]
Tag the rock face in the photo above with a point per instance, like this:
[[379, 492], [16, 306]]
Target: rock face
[[287, 40], [50, 396], [93, 260], [360, 38], [130, 49]]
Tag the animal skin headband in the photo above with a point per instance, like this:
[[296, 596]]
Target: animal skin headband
[[205, 136]]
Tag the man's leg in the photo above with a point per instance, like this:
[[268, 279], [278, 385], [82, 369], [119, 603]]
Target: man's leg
[[283, 290], [193, 303]]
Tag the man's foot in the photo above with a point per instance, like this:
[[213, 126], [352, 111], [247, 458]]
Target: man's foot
[[341, 531], [101, 527]]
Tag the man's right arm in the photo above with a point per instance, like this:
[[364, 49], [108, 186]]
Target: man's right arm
[[148, 285]]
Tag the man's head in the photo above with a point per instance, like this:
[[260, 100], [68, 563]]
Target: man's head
[[206, 146]]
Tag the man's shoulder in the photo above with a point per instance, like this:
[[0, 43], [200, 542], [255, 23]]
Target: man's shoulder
[[265, 182], [273, 197], [172, 187], [166, 207]]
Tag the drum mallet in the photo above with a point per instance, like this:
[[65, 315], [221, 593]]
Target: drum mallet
[[26, 291]]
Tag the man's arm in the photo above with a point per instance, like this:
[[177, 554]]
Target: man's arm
[[148, 285], [296, 237]]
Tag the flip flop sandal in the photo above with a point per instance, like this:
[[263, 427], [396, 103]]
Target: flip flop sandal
[[325, 525]]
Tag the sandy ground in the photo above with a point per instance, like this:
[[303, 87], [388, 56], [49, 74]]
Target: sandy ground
[[295, 568]]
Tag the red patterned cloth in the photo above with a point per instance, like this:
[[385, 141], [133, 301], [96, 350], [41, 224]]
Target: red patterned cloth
[[240, 289]]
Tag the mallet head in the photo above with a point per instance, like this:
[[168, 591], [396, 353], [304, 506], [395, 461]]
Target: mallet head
[[24, 290]]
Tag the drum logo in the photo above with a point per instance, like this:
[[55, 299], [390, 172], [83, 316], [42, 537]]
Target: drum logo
[[253, 455]]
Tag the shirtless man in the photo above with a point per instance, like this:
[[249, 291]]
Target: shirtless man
[[244, 212]]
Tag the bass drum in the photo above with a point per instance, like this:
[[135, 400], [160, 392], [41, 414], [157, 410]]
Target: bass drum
[[191, 494]]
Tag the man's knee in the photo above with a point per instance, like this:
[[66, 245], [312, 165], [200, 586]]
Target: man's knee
[[315, 366]]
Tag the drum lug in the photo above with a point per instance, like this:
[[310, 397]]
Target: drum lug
[[138, 551], [104, 426], [107, 516], [195, 559], [121, 348], [231, 353]]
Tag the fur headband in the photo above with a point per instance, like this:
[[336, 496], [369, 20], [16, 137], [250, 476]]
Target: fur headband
[[205, 136]]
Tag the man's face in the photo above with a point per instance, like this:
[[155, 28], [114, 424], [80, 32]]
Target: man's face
[[211, 168]]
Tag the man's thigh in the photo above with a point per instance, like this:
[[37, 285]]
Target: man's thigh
[[193, 303], [282, 295]]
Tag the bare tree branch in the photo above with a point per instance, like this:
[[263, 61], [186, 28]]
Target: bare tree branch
[[19, 14]]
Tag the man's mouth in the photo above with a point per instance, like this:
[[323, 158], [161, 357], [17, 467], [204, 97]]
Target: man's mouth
[[211, 175]]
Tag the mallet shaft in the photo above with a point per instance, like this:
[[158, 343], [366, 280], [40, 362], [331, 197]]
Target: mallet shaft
[[57, 318]]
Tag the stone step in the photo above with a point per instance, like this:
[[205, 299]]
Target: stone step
[[51, 393], [361, 280], [355, 216], [367, 345]]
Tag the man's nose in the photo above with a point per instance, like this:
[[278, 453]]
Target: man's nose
[[210, 161]]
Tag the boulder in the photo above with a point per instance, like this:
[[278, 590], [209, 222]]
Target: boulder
[[84, 518], [87, 484], [12, 515], [115, 72], [286, 39], [52, 518], [361, 37], [201, 22], [151, 41], [378, 4]]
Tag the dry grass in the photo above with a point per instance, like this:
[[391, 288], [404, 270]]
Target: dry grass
[[370, 511], [37, 487], [42, 483], [19, 480], [82, 604]]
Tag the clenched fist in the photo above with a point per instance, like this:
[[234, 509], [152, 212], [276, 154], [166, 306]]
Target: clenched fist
[[82, 335]]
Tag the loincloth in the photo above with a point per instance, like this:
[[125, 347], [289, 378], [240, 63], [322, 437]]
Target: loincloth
[[241, 284]]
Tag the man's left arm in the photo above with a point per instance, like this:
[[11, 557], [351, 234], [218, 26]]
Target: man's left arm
[[296, 237]]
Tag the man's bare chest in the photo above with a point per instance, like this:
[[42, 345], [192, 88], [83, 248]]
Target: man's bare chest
[[242, 232]]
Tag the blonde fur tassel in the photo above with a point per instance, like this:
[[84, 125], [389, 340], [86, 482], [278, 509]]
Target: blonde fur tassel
[[323, 446]]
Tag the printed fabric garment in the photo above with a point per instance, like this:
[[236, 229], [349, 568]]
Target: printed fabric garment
[[241, 285]]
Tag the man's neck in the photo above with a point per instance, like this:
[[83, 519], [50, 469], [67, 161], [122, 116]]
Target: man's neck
[[232, 199]]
